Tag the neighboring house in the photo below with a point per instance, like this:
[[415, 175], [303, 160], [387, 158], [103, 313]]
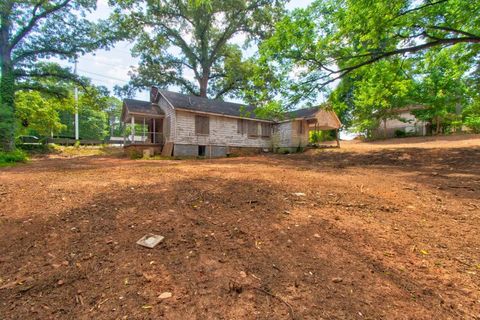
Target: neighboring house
[[184, 125], [403, 122]]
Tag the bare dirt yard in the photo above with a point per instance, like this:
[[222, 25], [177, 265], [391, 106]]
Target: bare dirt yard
[[386, 230]]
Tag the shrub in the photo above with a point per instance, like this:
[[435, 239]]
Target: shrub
[[473, 123], [12, 157], [322, 136], [400, 134]]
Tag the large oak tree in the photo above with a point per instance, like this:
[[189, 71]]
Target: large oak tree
[[34, 30], [190, 44]]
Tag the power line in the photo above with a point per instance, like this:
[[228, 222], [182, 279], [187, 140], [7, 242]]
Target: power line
[[103, 76]]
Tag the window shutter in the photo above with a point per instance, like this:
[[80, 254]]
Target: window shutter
[[206, 125], [266, 130], [300, 127], [202, 125], [252, 128], [197, 125]]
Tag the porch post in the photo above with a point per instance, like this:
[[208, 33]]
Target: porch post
[[133, 129], [154, 131], [143, 138], [338, 138]]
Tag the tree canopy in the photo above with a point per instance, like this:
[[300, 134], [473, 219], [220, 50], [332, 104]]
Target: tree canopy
[[32, 31], [369, 58], [190, 44], [314, 47]]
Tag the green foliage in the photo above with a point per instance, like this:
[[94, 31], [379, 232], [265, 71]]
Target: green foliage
[[12, 157], [374, 47], [400, 134], [176, 38], [442, 89], [40, 113], [471, 116], [379, 90], [32, 31], [45, 114], [321, 136]]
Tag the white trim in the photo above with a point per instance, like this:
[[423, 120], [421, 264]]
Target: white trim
[[147, 115], [171, 105]]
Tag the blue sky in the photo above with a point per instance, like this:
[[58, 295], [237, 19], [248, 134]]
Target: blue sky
[[110, 68]]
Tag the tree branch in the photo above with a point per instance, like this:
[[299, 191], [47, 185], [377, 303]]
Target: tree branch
[[449, 41], [35, 18], [420, 8], [31, 53]]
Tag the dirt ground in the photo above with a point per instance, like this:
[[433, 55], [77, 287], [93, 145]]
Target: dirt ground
[[386, 230]]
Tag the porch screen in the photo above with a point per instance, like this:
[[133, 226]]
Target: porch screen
[[202, 125]]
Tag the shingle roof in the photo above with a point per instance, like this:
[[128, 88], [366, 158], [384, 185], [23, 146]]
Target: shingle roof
[[194, 103], [302, 113], [142, 107]]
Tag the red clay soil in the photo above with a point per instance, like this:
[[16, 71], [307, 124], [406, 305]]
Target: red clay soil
[[375, 231]]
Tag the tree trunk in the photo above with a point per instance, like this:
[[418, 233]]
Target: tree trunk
[[203, 82], [437, 129], [385, 128], [7, 101]]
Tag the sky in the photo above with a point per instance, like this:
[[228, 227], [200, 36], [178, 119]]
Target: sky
[[110, 68]]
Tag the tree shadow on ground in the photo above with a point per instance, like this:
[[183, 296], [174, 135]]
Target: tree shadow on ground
[[231, 246]]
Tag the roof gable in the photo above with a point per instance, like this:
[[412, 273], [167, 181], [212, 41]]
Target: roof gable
[[132, 106]]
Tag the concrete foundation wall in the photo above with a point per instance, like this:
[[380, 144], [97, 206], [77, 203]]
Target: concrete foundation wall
[[137, 150], [191, 150]]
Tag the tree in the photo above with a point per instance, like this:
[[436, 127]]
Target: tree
[[46, 114], [379, 90], [31, 30], [190, 44], [442, 88], [314, 47], [39, 113], [95, 107]]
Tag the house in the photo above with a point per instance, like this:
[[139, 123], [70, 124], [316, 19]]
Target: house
[[183, 125], [403, 122]]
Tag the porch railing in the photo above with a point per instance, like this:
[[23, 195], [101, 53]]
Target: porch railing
[[144, 138]]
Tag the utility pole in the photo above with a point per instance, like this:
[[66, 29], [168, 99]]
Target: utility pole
[[77, 137]]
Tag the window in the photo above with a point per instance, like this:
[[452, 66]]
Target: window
[[241, 126], [252, 129], [266, 130], [202, 125]]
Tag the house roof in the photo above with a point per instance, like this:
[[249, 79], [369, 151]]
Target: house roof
[[204, 105], [302, 113], [142, 107], [194, 103]]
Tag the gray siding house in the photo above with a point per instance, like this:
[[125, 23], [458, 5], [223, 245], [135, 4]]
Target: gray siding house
[[183, 125]]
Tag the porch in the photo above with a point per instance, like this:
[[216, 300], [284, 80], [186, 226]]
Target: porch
[[143, 123]]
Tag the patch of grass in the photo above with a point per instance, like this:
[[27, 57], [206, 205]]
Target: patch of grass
[[85, 151], [12, 157]]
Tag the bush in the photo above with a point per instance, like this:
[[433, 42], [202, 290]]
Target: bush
[[400, 134], [12, 157], [473, 123], [322, 136]]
